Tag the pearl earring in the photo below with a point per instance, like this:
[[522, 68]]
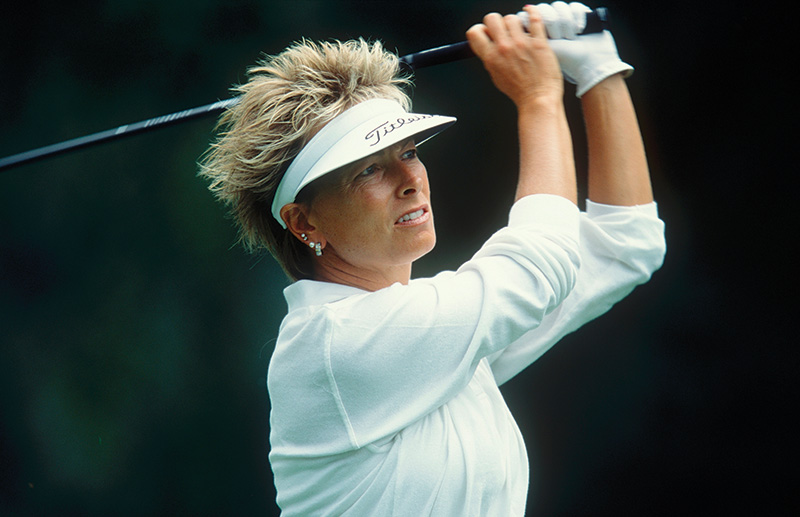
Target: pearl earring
[[317, 247]]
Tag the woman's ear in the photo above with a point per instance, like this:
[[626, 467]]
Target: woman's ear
[[295, 215]]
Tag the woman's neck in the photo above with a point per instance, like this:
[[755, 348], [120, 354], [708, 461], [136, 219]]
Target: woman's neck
[[332, 269]]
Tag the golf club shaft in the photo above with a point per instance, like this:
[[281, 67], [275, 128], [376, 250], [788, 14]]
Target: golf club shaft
[[596, 21], [116, 133]]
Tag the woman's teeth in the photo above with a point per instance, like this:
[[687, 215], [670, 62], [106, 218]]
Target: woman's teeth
[[412, 215]]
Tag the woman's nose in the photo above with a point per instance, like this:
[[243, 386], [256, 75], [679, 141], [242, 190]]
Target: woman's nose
[[411, 180]]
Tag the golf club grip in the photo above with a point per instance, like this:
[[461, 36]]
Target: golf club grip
[[596, 21]]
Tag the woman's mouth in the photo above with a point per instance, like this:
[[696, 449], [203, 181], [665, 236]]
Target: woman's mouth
[[412, 217]]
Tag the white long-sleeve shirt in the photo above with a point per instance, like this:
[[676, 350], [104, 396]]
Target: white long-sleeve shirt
[[387, 403]]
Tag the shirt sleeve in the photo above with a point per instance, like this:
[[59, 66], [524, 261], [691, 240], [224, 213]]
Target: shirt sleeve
[[621, 247], [393, 356]]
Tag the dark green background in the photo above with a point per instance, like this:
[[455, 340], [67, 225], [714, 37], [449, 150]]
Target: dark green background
[[135, 336]]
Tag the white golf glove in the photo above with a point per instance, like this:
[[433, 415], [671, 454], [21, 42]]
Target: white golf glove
[[586, 59]]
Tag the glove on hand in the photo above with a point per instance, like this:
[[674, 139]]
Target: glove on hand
[[585, 59]]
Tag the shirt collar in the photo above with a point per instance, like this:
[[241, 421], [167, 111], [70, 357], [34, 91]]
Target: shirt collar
[[307, 293]]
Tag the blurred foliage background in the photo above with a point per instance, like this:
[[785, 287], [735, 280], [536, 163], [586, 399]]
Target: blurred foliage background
[[135, 335]]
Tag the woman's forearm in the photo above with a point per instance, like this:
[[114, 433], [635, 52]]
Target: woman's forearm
[[547, 165], [523, 66], [618, 171]]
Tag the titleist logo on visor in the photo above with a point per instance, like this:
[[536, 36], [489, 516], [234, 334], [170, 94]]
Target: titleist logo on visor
[[387, 127]]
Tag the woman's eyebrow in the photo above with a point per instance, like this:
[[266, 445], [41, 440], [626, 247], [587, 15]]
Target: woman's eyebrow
[[359, 165]]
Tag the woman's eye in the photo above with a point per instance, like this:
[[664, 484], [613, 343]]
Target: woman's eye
[[372, 169], [411, 153]]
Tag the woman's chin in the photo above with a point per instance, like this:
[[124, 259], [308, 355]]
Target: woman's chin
[[426, 246]]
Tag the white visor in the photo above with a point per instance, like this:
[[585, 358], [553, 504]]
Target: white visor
[[362, 130]]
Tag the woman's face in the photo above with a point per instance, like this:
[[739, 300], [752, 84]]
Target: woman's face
[[375, 214]]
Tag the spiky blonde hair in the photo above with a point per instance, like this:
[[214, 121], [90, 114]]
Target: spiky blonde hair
[[287, 99]]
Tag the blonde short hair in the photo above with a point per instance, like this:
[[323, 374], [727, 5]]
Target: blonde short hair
[[286, 100]]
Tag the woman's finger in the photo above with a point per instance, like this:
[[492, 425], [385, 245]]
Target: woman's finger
[[550, 18], [479, 40], [565, 22], [514, 26], [535, 23], [496, 28]]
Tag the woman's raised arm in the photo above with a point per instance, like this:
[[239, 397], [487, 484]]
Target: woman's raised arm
[[524, 67], [618, 171]]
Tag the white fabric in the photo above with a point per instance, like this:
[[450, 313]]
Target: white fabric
[[562, 21], [364, 129], [621, 247], [386, 403], [586, 59]]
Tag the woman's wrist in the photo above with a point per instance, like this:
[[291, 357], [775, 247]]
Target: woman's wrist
[[607, 86], [542, 102]]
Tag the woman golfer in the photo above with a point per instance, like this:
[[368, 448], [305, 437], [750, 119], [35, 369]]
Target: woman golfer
[[384, 390]]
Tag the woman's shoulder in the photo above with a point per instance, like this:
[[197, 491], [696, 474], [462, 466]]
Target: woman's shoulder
[[313, 293]]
